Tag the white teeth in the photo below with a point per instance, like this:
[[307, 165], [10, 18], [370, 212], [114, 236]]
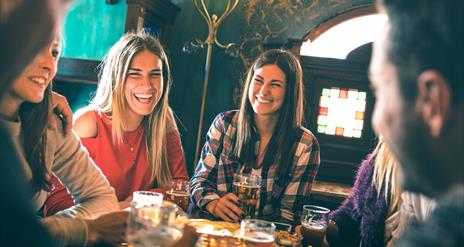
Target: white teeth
[[39, 80], [143, 96], [263, 101]]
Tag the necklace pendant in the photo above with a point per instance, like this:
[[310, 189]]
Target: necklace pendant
[[131, 148]]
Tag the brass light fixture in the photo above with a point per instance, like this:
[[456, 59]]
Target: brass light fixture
[[231, 49]]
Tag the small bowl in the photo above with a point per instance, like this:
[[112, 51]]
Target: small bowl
[[284, 238]]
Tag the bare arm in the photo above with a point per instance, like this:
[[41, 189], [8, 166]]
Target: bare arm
[[85, 123]]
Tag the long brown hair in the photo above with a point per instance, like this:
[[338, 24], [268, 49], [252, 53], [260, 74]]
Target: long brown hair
[[34, 121], [291, 115], [110, 98]]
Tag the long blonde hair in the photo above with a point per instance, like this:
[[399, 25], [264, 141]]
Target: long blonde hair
[[386, 175], [110, 98]]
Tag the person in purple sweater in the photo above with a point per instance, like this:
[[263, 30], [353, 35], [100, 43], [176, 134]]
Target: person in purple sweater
[[370, 215]]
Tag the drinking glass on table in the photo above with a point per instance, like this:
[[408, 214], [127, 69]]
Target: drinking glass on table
[[257, 233], [154, 224], [179, 193], [247, 188], [314, 221]]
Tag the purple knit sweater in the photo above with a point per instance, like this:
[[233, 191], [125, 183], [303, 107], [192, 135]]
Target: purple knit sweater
[[362, 215]]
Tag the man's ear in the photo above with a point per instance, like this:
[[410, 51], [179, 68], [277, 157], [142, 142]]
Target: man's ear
[[433, 100]]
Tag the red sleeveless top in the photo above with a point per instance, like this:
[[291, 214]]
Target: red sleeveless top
[[125, 165]]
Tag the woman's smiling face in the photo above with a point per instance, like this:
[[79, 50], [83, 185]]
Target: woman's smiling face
[[144, 83], [267, 90], [31, 84]]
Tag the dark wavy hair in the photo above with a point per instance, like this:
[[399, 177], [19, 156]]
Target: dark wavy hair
[[34, 122], [426, 35]]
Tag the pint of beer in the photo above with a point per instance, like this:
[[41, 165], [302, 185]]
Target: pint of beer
[[179, 193], [314, 220], [247, 187]]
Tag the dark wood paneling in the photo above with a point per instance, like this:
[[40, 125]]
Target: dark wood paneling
[[77, 70], [155, 14]]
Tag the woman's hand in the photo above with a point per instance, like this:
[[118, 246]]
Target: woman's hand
[[108, 228], [226, 208], [62, 109]]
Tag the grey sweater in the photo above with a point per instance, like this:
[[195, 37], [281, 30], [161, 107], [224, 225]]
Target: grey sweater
[[70, 162]]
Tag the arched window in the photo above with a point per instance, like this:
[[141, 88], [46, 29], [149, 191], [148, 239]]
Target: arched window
[[344, 37]]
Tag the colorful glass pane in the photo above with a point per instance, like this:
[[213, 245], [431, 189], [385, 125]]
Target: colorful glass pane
[[362, 95], [325, 92], [323, 111], [341, 112], [343, 94]]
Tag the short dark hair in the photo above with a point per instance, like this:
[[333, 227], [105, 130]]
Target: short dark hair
[[426, 35]]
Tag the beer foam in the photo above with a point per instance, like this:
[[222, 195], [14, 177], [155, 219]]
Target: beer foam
[[178, 193], [315, 225], [247, 185]]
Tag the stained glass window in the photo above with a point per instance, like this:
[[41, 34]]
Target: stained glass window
[[341, 112]]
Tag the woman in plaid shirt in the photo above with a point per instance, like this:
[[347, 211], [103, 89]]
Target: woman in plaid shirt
[[264, 137]]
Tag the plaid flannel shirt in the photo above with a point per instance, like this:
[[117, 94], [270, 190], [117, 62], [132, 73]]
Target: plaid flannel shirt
[[214, 173]]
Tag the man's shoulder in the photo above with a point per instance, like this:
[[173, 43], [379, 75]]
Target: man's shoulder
[[444, 227]]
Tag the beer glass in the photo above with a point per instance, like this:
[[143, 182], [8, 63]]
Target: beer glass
[[314, 220], [247, 188], [154, 224], [147, 197], [257, 233], [179, 193]]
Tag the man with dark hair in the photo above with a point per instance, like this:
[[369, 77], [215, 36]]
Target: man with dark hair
[[417, 72]]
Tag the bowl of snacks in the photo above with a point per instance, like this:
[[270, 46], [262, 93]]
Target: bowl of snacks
[[287, 239]]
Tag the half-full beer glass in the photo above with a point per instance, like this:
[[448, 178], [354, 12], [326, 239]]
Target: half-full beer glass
[[179, 193], [247, 188], [314, 220]]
